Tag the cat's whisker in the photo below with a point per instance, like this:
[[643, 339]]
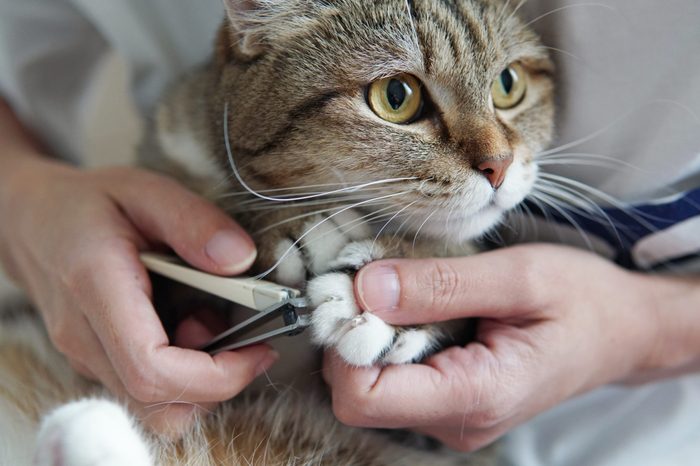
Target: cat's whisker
[[415, 237], [565, 161], [447, 226], [329, 199], [294, 219], [563, 52], [404, 223], [580, 205], [619, 120], [293, 188], [546, 201], [629, 210], [165, 404], [358, 222], [533, 221], [257, 204], [568, 7], [309, 230], [566, 156], [266, 206], [515, 10], [232, 162], [376, 237]]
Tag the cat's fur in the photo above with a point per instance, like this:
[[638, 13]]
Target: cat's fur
[[290, 77]]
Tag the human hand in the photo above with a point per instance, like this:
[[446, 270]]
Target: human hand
[[554, 322], [71, 239]]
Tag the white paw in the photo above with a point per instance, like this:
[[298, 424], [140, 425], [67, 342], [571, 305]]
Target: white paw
[[361, 339], [322, 243], [90, 433], [365, 340], [357, 254], [411, 345], [291, 270]]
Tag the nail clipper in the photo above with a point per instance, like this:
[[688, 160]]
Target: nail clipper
[[271, 301]]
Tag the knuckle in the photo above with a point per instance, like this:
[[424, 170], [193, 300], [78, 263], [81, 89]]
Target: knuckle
[[141, 385], [345, 413], [63, 337], [354, 414], [444, 283], [532, 277]]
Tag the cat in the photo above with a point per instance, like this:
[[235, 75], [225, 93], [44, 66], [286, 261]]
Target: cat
[[337, 132]]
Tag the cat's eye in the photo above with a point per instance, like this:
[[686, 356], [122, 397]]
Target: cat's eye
[[508, 90], [397, 99]]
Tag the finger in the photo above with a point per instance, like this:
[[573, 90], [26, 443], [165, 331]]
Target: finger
[[138, 348], [198, 231], [495, 284], [170, 417], [454, 381]]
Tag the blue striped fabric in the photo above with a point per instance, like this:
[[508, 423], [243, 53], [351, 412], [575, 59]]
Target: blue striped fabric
[[635, 223]]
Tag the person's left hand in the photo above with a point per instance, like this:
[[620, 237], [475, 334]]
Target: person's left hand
[[554, 322]]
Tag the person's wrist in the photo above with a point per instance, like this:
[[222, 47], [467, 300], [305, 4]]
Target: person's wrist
[[23, 175], [670, 308]]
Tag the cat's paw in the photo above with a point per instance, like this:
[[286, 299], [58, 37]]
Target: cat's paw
[[90, 433], [362, 339], [320, 242]]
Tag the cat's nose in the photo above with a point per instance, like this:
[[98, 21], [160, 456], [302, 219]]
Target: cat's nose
[[494, 169]]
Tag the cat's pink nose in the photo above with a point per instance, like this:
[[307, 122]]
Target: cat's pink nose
[[494, 169]]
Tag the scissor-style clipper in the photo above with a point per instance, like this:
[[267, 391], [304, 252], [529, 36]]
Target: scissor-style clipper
[[270, 300]]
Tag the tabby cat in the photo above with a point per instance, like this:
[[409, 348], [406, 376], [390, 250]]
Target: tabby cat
[[337, 132]]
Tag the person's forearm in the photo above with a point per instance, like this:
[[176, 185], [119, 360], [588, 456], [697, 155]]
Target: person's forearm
[[675, 305]]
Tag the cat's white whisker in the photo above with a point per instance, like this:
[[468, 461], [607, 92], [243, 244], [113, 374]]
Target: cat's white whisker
[[515, 10], [568, 7], [415, 237], [607, 198], [547, 201], [309, 230], [292, 188], [381, 230], [232, 162], [563, 52], [579, 204], [618, 120]]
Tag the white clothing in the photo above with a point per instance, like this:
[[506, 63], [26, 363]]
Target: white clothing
[[628, 67]]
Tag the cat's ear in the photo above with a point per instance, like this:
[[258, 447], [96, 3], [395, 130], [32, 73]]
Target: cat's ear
[[248, 20]]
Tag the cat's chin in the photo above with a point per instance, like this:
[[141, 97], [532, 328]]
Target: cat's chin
[[457, 231]]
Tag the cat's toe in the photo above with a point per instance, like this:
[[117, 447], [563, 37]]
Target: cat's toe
[[360, 339], [291, 270], [357, 254], [90, 433], [331, 296], [366, 340], [412, 345]]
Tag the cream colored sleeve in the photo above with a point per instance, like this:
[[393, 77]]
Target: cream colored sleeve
[[48, 55]]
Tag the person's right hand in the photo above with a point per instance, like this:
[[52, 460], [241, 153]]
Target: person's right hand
[[71, 239]]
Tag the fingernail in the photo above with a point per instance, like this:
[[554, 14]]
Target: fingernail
[[271, 357], [378, 288], [232, 253]]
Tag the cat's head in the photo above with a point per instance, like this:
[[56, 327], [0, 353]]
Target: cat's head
[[453, 97]]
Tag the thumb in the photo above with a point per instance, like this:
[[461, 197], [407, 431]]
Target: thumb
[[415, 291], [197, 230]]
